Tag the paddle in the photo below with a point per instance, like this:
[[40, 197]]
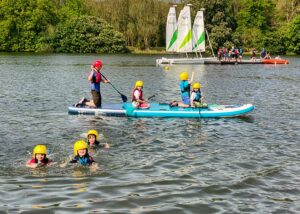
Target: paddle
[[151, 97], [124, 98]]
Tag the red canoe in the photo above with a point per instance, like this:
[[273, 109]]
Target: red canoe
[[275, 61]]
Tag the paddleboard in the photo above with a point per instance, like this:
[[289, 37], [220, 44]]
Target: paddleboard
[[164, 110]]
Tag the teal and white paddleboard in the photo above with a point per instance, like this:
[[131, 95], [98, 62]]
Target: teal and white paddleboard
[[164, 110]]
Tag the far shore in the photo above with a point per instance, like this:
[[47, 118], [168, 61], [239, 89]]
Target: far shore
[[162, 51], [159, 51]]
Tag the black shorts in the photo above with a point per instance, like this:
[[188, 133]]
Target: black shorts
[[96, 98]]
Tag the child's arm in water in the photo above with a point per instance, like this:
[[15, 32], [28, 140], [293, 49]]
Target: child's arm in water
[[64, 164], [94, 166], [105, 145], [31, 165]]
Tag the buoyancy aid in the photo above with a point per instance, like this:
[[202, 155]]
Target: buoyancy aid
[[44, 161], [96, 77], [198, 96], [141, 94], [185, 87], [85, 160]]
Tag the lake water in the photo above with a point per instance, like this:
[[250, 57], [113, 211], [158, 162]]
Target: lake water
[[248, 164]]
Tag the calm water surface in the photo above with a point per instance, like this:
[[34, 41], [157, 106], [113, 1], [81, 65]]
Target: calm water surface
[[231, 165]]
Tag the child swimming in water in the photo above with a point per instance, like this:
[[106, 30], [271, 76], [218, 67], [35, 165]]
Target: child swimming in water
[[81, 155], [39, 157], [93, 140]]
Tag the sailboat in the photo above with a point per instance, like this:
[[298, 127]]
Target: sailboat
[[181, 38]]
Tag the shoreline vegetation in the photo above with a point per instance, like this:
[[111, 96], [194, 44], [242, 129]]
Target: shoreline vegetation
[[139, 51], [93, 26], [162, 51]]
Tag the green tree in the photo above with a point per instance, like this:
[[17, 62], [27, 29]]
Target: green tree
[[219, 20], [25, 23], [293, 35], [140, 21], [254, 20], [87, 34]]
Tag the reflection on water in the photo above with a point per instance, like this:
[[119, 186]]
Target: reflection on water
[[229, 165]]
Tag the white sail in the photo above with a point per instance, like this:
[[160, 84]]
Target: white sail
[[184, 39], [171, 31], [199, 33]]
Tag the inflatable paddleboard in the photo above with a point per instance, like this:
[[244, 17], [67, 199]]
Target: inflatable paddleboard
[[164, 110]]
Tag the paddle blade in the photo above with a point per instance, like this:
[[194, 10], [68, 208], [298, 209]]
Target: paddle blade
[[129, 109], [124, 98]]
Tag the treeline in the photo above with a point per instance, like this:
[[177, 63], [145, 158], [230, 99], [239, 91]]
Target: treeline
[[109, 26], [55, 26]]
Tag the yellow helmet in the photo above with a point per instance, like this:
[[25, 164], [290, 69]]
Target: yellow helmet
[[39, 149], [93, 132], [139, 83], [196, 85], [184, 75], [81, 144]]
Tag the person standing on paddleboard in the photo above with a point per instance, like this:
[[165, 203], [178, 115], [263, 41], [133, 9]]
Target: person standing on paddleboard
[[95, 79]]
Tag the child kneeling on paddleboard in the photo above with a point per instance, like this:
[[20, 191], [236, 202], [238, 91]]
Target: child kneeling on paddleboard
[[95, 79], [185, 88], [93, 140], [196, 96], [81, 155], [39, 157], [137, 96]]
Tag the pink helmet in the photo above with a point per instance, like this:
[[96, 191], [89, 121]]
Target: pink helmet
[[97, 63]]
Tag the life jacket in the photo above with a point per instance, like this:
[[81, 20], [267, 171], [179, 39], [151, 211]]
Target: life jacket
[[44, 161], [185, 89], [198, 96], [141, 94], [85, 160], [96, 77]]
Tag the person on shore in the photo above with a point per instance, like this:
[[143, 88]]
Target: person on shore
[[236, 54], [81, 155], [241, 54], [185, 88], [39, 157], [220, 54], [263, 53], [232, 54], [196, 96], [93, 140], [268, 56], [95, 79], [253, 54], [225, 54], [137, 96]]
